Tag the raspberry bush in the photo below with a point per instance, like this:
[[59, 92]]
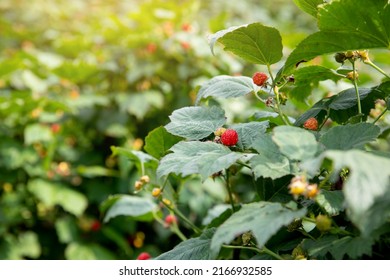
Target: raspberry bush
[[309, 186]]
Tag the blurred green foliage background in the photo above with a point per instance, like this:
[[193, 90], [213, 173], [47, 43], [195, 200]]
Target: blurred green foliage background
[[77, 77]]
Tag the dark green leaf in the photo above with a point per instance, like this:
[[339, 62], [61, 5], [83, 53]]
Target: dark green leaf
[[226, 87], [197, 248], [195, 123], [331, 201], [351, 136], [263, 219], [345, 25], [159, 141]]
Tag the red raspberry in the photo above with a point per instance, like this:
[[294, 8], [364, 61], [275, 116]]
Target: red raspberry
[[311, 124], [229, 137], [144, 256], [55, 127], [170, 219], [96, 225], [259, 78]]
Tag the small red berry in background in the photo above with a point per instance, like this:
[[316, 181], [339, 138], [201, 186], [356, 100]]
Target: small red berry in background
[[311, 124], [55, 127], [170, 219], [144, 256], [259, 78], [186, 27], [96, 225], [185, 45], [229, 137], [151, 48]]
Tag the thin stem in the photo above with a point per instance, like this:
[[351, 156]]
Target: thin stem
[[174, 228], [356, 88], [260, 251], [376, 67], [381, 114], [229, 191], [184, 218]]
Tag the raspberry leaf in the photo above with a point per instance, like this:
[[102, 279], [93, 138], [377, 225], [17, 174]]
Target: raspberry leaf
[[139, 208], [195, 157], [263, 219], [351, 136], [197, 248], [159, 141], [248, 132], [345, 25], [255, 43], [225, 87], [195, 123], [367, 188], [309, 6], [295, 143]]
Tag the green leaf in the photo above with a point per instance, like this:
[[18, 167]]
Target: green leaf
[[331, 201], [249, 132], [195, 123], [226, 87], [295, 143], [351, 136], [354, 247], [37, 133], [52, 193], [343, 105], [67, 230], [197, 248], [367, 188], [80, 251], [263, 219], [139, 208], [194, 157], [28, 245], [159, 141], [270, 162], [309, 6], [345, 25], [255, 43], [313, 74]]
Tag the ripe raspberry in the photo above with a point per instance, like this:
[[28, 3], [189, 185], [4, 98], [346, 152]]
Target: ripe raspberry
[[55, 127], [96, 225], [144, 256], [170, 219], [259, 78], [229, 137], [311, 124]]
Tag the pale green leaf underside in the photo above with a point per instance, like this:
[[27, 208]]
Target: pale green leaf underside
[[195, 157], [195, 123], [367, 188], [132, 206], [309, 6], [226, 87], [295, 143]]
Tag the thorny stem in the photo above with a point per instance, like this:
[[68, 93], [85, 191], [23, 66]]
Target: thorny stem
[[356, 88], [260, 251]]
